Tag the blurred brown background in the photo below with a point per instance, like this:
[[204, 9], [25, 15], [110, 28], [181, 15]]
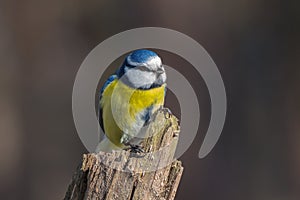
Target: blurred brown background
[[254, 43]]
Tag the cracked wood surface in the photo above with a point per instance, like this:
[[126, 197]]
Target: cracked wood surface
[[123, 175]]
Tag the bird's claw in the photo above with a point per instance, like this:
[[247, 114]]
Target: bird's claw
[[134, 148]]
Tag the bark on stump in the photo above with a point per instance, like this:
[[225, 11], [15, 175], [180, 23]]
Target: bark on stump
[[122, 175]]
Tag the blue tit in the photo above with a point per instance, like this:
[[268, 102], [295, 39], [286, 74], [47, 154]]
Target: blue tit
[[129, 98]]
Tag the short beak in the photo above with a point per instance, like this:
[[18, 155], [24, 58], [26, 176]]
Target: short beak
[[160, 71]]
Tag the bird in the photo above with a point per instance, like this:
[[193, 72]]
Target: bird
[[129, 98]]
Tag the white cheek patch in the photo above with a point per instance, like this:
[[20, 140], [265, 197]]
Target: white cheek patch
[[140, 78]]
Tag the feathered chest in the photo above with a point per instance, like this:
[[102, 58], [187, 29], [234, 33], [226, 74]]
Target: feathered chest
[[130, 107]]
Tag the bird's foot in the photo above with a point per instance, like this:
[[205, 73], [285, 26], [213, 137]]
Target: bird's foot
[[133, 148]]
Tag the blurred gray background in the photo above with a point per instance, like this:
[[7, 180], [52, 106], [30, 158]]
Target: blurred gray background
[[254, 43]]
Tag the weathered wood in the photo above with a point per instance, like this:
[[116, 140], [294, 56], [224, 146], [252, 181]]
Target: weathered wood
[[123, 175]]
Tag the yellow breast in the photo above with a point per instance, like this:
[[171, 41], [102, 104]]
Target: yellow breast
[[121, 106]]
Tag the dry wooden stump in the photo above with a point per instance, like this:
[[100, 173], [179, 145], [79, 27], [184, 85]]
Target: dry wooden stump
[[123, 175]]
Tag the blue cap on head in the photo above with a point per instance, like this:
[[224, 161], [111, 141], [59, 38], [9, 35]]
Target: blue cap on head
[[140, 56]]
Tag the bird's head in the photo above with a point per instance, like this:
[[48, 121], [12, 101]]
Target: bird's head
[[142, 69]]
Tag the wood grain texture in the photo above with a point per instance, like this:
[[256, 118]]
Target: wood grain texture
[[123, 175]]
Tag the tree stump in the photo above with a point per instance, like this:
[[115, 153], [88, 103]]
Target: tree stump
[[123, 175]]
